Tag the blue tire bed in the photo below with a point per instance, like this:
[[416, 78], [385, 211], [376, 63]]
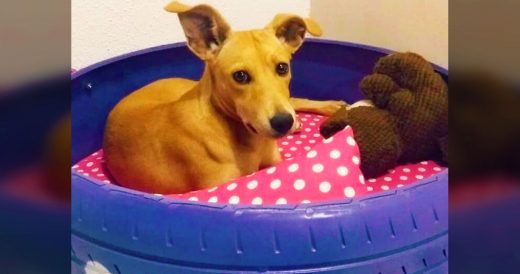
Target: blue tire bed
[[396, 231]]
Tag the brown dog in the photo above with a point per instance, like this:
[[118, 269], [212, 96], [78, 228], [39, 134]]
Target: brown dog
[[176, 135]]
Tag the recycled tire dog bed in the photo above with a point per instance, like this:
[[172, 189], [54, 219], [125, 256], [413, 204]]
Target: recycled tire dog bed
[[399, 230]]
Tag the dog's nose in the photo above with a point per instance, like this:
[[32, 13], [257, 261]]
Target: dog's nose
[[282, 123]]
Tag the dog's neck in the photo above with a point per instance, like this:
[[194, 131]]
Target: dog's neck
[[209, 84]]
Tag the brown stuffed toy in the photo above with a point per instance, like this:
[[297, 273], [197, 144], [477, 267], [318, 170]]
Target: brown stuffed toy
[[409, 119]]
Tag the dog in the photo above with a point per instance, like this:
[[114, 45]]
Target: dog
[[177, 135]]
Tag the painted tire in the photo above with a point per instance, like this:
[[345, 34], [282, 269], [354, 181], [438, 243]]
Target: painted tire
[[125, 231]]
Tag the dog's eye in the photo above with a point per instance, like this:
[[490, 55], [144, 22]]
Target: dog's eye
[[242, 77], [282, 68]]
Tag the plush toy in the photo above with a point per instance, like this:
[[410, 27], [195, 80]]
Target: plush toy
[[408, 121]]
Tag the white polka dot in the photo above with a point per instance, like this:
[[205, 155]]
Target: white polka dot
[[424, 163], [328, 140], [388, 179], [437, 169], [99, 158], [351, 141], [419, 177], [312, 154], [252, 185], [281, 201], [304, 119], [325, 187], [312, 124], [422, 169], [342, 171], [231, 186], [307, 130], [285, 143], [305, 202], [355, 160], [280, 149], [403, 178], [407, 170], [308, 115], [293, 167], [298, 142], [372, 180], [89, 164], [307, 148], [400, 185], [106, 181], [75, 166], [86, 174], [257, 201], [271, 170], [212, 189], [303, 136], [95, 169], [158, 194], [275, 184], [293, 148], [234, 200], [100, 175], [312, 141], [385, 187], [316, 135], [299, 184], [317, 168], [94, 154], [335, 154], [213, 199], [349, 192], [287, 155], [290, 137], [369, 188], [362, 179], [193, 199], [316, 120]]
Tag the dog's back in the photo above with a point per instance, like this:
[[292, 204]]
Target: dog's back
[[134, 126]]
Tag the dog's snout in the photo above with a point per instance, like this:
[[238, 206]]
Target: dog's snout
[[282, 123]]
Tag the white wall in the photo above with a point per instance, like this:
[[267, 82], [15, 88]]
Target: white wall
[[107, 28], [103, 29], [402, 25]]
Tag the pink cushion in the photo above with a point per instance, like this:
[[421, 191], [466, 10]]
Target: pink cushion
[[313, 170]]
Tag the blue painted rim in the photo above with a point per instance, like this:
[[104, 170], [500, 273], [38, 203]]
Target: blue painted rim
[[89, 68]]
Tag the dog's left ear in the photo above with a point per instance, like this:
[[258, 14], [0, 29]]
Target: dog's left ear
[[291, 29], [204, 28]]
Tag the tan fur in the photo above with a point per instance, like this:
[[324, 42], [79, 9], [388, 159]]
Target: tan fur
[[176, 135]]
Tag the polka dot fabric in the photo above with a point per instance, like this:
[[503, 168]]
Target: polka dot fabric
[[314, 170]]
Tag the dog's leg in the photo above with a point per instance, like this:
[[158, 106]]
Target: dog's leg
[[326, 108], [271, 156]]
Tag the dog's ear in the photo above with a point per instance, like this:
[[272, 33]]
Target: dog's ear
[[291, 29], [204, 27]]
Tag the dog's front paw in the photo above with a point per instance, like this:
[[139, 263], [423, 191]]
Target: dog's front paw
[[330, 107]]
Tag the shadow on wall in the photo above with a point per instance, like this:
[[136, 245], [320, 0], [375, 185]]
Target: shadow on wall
[[405, 25]]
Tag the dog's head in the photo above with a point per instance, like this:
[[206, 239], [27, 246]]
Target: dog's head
[[250, 70]]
